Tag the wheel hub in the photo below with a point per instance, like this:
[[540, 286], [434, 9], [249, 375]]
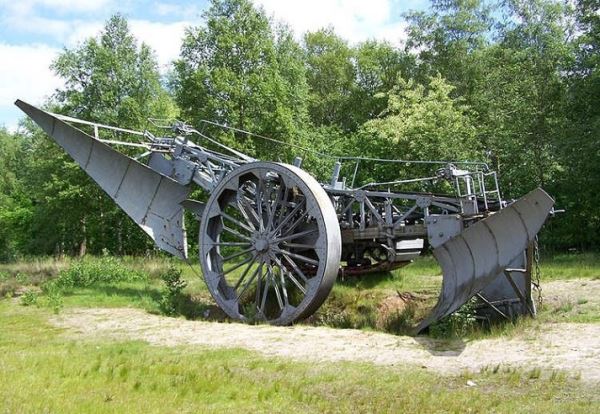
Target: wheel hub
[[261, 245]]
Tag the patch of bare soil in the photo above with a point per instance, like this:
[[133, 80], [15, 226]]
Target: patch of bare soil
[[572, 347], [573, 298]]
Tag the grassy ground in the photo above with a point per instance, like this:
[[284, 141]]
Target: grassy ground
[[571, 266], [42, 370], [377, 301]]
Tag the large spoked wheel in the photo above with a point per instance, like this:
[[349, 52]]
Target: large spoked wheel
[[270, 243]]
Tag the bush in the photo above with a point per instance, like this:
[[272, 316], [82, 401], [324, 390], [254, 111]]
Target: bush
[[8, 288], [458, 324], [172, 298], [90, 271], [29, 298], [53, 293]]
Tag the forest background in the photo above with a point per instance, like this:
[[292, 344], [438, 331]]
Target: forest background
[[513, 83]]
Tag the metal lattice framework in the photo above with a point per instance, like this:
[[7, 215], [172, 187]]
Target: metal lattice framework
[[273, 239]]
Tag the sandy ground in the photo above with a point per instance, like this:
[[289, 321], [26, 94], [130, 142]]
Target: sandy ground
[[572, 347]]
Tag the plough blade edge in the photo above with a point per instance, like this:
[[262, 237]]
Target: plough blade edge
[[151, 199], [474, 258]]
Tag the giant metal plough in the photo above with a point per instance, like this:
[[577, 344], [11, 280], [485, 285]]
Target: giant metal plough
[[273, 240]]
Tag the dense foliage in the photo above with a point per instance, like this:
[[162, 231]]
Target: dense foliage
[[514, 83]]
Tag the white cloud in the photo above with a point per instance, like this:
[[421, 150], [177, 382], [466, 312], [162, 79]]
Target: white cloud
[[164, 38], [25, 69], [355, 20], [25, 75], [73, 5], [183, 11], [24, 7], [80, 31]]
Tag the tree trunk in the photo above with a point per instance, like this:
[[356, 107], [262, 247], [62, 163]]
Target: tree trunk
[[83, 244]]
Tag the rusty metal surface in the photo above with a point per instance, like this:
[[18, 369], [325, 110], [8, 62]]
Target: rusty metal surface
[[152, 200], [471, 260]]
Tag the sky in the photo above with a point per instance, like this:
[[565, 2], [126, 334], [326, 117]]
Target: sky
[[33, 32]]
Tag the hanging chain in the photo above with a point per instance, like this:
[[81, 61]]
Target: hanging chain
[[537, 271]]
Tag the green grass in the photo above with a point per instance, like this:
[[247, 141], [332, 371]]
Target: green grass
[[571, 266], [390, 302], [42, 370]]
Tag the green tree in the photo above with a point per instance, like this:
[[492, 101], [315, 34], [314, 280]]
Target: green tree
[[420, 123], [578, 187], [111, 80], [15, 207], [447, 39], [520, 98], [331, 78], [235, 70], [377, 67]]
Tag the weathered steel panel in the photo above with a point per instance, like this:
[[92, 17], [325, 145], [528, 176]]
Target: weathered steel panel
[[471, 260], [152, 200]]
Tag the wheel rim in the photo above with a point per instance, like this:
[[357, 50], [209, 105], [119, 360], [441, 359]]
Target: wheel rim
[[270, 243]]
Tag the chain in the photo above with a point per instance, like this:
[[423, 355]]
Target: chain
[[536, 279]]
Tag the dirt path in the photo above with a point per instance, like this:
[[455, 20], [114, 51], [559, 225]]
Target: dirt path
[[574, 348]]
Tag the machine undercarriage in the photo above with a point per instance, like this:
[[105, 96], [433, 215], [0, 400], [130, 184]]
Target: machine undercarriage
[[273, 239]]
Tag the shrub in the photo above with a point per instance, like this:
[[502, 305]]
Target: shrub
[[29, 298], [8, 288], [90, 271], [457, 324], [53, 293], [172, 298]]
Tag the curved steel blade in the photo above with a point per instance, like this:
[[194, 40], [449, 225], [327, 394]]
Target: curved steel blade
[[151, 199], [474, 258]]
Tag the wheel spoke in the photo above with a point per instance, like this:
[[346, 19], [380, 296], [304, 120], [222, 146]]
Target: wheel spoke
[[265, 292], [237, 266], [258, 198], [299, 220], [295, 282], [239, 282], [286, 299], [284, 206], [237, 222], [249, 282], [248, 212], [245, 214], [299, 257], [289, 216], [241, 244], [258, 286], [289, 276], [295, 267], [238, 254], [276, 288], [236, 233], [273, 208], [296, 235], [299, 246]]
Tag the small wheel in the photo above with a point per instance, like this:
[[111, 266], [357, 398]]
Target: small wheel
[[270, 243]]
